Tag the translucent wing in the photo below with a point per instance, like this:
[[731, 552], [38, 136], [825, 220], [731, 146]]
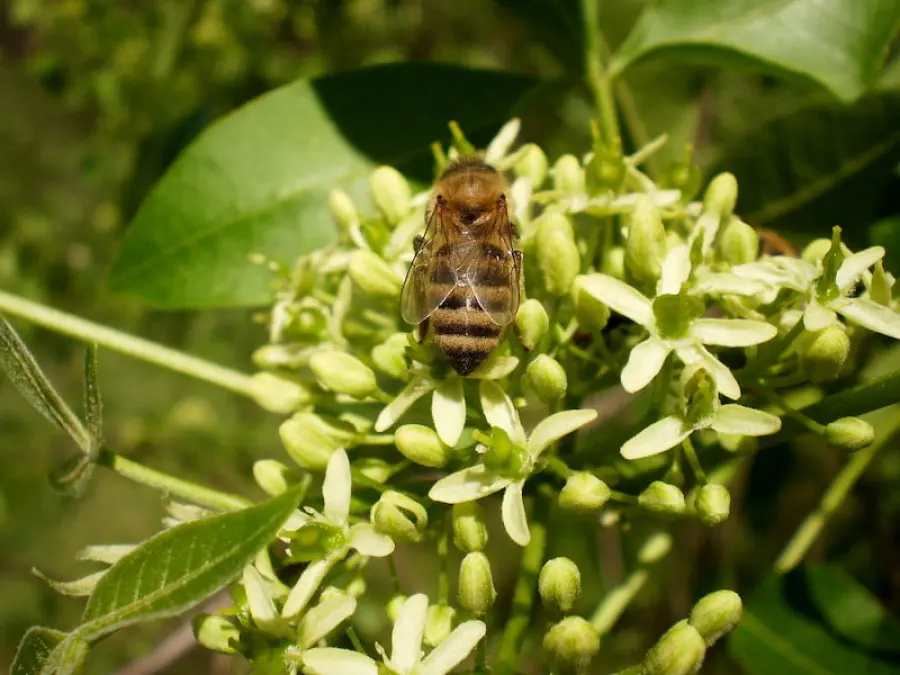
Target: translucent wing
[[416, 302], [495, 274]]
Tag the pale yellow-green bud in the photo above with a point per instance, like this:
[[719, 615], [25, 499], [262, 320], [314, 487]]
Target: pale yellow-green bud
[[583, 493], [850, 433], [713, 504], [654, 548], [399, 516], [438, 624], [571, 644], [721, 195], [738, 242], [342, 209], [373, 468], [532, 323], [469, 531], [531, 162], [557, 254], [823, 354], [591, 313], [645, 247], [306, 443], [420, 444], [277, 393], [815, 250], [680, 651], [343, 374], [476, 584], [613, 262], [559, 584], [391, 193], [390, 356], [548, 378], [392, 609], [290, 356], [880, 290], [373, 276], [216, 633], [661, 497], [716, 614], [568, 175], [273, 476]]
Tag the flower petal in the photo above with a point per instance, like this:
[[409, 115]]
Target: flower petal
[[337, 487], [644, 363], [732, 332], [330, 661], [725, 381], [499, 410], [324, 618], [658, 437], [871, 315], [817, 316], [452, 651], [513, 511], [495, 368], [499, 146], [743, 421], [467, 485], [394, 410], [551, 429], [305, 588], [854, 266], [619, 296], [729, 284], [262, 607], [448, 409], [676, 269], [406, 639], [365, 539]]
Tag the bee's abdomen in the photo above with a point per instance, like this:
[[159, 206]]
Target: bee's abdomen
[[462, 330]]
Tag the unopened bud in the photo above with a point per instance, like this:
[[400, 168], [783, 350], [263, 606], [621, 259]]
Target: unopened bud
[[880, 290], [278, 394], [476, 584], [591, 313], [469, 531], [721, 196], [645, 247], [568, 175], [559, 584], [342, 209], [713, 504], [391, 193], [373, 468], [823, 354], [273, 476], [557, 254], [420, 444], [583, 493], [311, 439], [716, 614], [390, 356], [392, 609], [531, 162], [613, 262], [738, 242], [532, 323], [438, 624], [548, 378], [654, 548], [571, 644], [216, 633], [850, 433], [399, 516], [680, 651], [661, 497], [373, 276], [683, 176], [815, 250], [343, 374]]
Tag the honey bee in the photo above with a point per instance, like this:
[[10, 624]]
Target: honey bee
[[465, 278]]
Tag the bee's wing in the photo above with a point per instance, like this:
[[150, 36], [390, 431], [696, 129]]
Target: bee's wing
[[415, 303], [495, 277]]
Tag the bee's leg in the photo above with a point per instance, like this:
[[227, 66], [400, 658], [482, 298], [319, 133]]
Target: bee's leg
[[423, 330], [418, 240]]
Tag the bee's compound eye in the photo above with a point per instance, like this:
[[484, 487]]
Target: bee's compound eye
[[440, 200], [502, 200]]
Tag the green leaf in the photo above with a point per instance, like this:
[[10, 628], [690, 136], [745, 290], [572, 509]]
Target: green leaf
[[791, 181], [258, 180], [783, 631], [180, 567], [557, 24], [34, 649], [93, 403], [73, 475], [836, 44], [67, 658]]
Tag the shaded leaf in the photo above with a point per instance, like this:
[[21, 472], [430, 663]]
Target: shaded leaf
[[73, 476], [556, 24], [258, 180], [34, 649]]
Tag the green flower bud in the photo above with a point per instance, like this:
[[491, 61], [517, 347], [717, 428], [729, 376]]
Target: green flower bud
[[824, 353], [420, 444], [646, 244], [342, 209], [568, 175], [399, 516], [571, 644], [721, 196], [531, 162], [613, 262], [373, 468], [216, 633], [655, 548], [343, 374], [278, 394], [392, 609], [716, 614], [476, 585], [316, 540], [738, 242], [390, 356], [391, 193], [680, 651], [373, 276], [591, 313], [606, 169], [880, 290], [661, 497], [273, 476], [438, 624], [548, 378], [850, 433], [684, 176], [469, 531], [559, 584], [815, 250], [583, 493], [557, 254], [306, 442], [532, 323], [713, 503], [290, 356]]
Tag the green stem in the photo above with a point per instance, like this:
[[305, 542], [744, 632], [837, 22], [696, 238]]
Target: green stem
[[691, 454], [778, 400], [769, 353], [598, 80], [834, 496], [443, 553], [614, 603], [130, 345], [177, 487]]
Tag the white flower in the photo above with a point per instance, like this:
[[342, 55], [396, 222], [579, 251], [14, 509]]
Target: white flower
[[675, 323], [518, 456], [406, 655]]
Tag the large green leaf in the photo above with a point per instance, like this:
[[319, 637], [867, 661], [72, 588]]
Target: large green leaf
[[180, 567], [258, 180], [34, 649], [838, 44], [556, 24], [784, 631]]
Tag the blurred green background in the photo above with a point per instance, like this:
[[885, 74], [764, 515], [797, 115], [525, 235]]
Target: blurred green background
[[98, 97]]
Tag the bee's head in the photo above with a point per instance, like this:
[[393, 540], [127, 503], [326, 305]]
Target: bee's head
[[471, 190]]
